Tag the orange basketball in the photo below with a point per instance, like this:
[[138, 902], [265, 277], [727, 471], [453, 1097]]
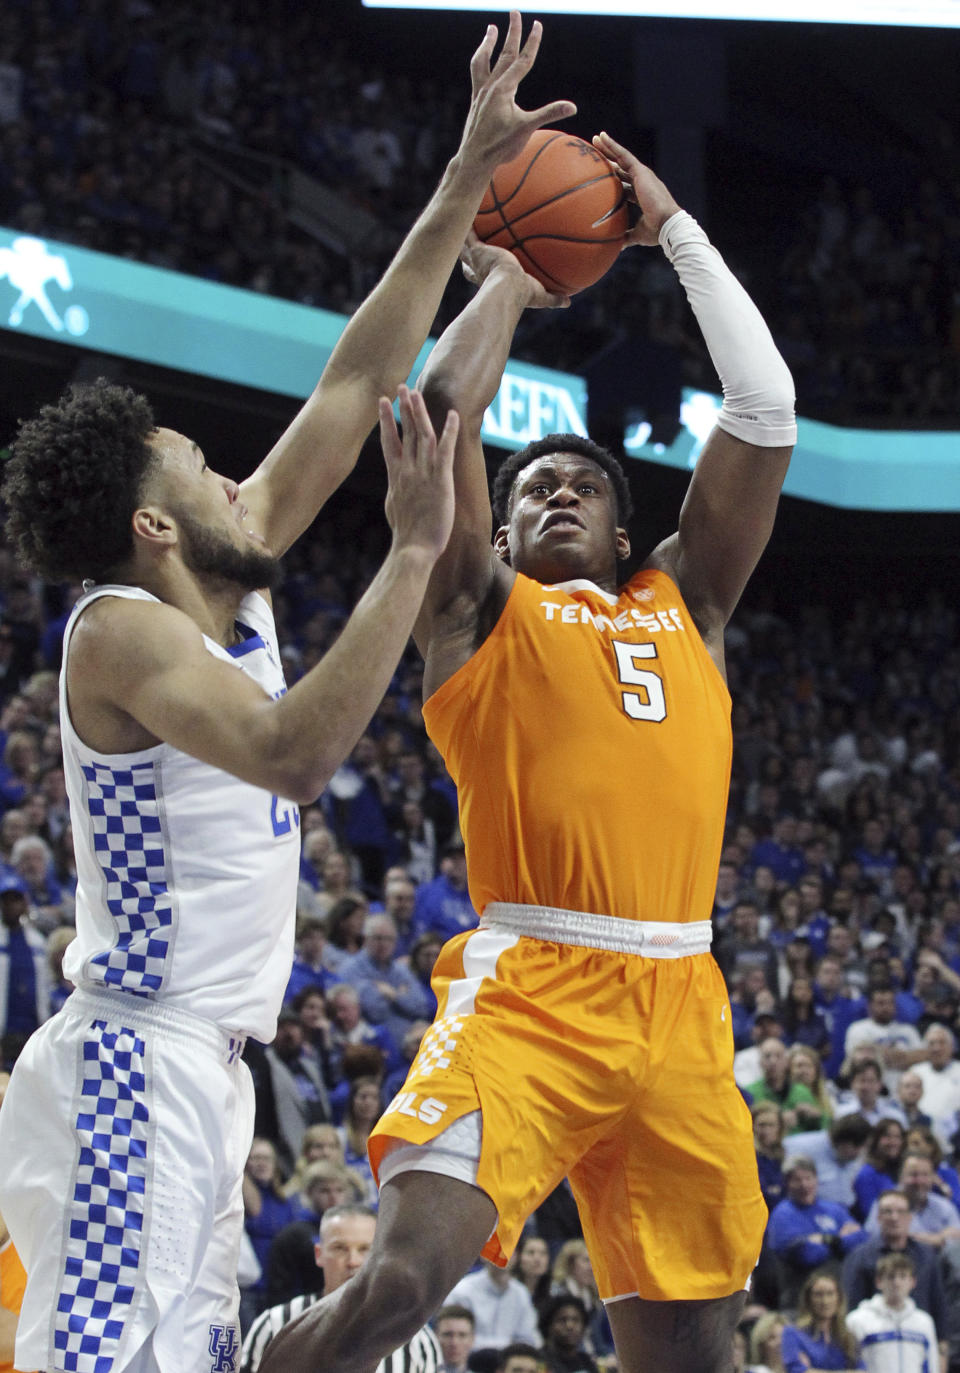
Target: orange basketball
[[559, 209]]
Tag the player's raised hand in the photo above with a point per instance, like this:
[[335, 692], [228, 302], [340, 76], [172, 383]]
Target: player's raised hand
[[496, 127], [481, 260], [642, 187], [419, 502]]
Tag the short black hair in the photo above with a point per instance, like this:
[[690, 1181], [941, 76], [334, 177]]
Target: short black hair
[[560, 443], [74, 479], [556, 1303], [517, 1351]]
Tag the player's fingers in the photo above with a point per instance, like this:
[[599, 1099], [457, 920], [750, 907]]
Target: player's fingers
[[526, 56], [480, 61], [422, 438], [389, 435], [511, 44], [448, 436], [549, 114]]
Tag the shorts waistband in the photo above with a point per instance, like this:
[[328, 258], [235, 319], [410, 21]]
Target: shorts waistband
[[156, 1016], [651, 938]]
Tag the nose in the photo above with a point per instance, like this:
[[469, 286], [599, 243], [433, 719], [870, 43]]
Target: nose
[[563, 496], [231, 488]]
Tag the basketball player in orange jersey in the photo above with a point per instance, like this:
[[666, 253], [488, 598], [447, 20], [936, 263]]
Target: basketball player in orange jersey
[[583, 1028]]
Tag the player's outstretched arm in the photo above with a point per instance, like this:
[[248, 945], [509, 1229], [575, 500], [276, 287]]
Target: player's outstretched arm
[[463, 373], [730, 505], [379, 345], [148, 662]]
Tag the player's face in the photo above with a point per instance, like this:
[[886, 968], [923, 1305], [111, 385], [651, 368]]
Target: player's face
[[212, 522], [563, 522], [343, 1248]]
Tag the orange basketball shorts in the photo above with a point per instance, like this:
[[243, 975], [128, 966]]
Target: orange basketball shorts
[[614, 1069]]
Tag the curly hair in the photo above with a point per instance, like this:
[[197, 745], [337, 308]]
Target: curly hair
[[545, 447], [73, 481]]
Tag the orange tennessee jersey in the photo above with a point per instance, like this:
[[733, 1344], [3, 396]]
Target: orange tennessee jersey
[[589, 738], [13, 1282]]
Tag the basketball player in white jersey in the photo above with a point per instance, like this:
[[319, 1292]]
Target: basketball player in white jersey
[[129, 1116]]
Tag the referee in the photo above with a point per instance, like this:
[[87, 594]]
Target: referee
[[346, 1234]]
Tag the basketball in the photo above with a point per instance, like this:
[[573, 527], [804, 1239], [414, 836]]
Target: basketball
[[559, 209]]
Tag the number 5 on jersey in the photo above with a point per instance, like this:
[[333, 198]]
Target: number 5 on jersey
[[649, 703]]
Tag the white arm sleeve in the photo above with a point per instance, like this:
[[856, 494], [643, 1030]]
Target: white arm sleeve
[[758, 394]]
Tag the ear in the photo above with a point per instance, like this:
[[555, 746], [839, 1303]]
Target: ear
[[623, 545], [501, 544], [154, 526]]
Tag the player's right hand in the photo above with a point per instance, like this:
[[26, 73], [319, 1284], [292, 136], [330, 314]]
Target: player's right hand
[[496, 128], [420, 499], [481, 260], [642, 187]]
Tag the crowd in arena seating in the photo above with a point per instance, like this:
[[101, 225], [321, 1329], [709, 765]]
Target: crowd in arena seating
[[837, 926], [103, 108]]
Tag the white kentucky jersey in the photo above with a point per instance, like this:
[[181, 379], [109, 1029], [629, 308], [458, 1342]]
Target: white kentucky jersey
[[186, 876]]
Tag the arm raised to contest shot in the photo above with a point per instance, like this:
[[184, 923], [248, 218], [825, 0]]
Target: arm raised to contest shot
[[380, 343]]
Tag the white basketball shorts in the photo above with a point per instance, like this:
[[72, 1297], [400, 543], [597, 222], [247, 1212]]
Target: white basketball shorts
[[123, 1139]]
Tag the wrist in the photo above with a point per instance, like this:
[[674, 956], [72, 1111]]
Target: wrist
[[412, 556]]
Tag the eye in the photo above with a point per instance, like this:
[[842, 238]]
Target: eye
[[588, 487]]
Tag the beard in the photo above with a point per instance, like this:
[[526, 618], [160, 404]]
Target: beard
[[208, 553]]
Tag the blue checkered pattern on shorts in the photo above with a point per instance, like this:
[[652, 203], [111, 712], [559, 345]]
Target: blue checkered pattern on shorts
[[128, 841], [106, 1212]]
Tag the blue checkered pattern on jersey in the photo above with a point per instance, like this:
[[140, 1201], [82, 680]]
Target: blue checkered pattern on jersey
[[128, 841], [106, 1213]]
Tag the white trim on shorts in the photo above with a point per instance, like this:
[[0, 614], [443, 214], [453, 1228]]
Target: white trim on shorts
[[195, 1030], [650, 938]]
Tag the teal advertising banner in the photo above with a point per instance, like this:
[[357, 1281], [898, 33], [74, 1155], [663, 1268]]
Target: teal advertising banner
[[110, 305]]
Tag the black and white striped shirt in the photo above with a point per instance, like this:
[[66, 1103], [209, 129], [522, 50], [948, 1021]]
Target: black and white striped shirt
[[419, 1355]]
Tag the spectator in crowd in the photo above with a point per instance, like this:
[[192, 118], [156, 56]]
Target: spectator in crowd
[[390, 993], [805, 1066], [346, 1234], [309, 969], [837, 1153], [768, 1142], [806, 1232], [933, 1219], [818, 1337], [443, 905], [345, 917], [563, 1324], [840, 1006], [349, 1029], [893, 1237], [455, 1328], [266, 1212], [320, 1144], [24, 972], [399, 899], [573, 1273], [501, 1306], [766, 1344], [741, 945], [803, 1021], [940, 1076], [896, 1043], [891, 1328], [909, 1098], [922, 1140], [298, 1090], [775, 1085], [532, 1267], [881, 1165], [865, 1094], [518, 1358], [364, 1107]]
